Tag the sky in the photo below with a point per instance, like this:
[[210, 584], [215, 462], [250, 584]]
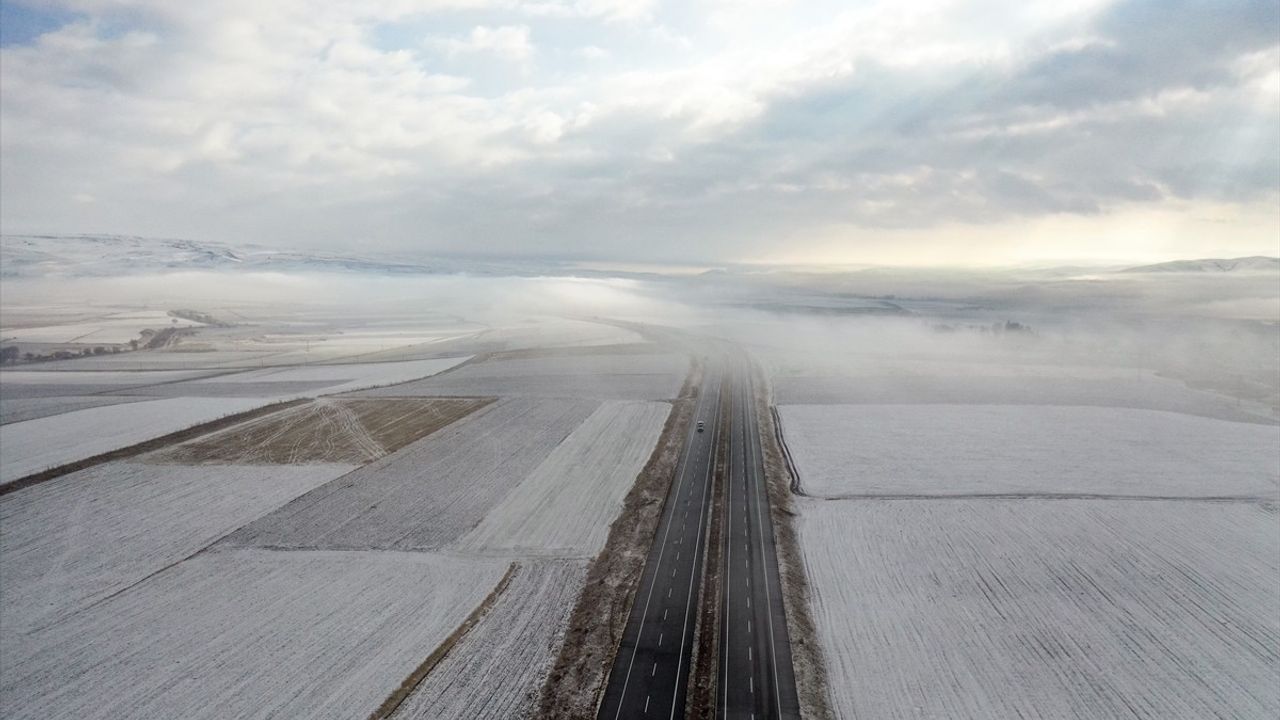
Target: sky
[[754, 131]]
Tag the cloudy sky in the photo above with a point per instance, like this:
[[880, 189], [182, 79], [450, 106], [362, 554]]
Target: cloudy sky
[[686, 131]]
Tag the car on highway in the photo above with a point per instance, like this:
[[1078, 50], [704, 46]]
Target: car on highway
[[701, 425]]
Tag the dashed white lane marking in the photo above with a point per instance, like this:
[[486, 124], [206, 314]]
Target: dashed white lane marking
[[654, 671], [664, 613], [748, 628], [751, 684], [677, 555], [660, 636], [749, 659], [646, 704], [668, 592], [748, 602]]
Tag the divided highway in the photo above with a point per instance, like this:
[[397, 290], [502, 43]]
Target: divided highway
[[650, 673]]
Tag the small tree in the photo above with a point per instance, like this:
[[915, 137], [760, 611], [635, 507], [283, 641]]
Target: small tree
[[9, 354]]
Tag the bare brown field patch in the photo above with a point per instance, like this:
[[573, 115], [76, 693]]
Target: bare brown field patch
[[326, 430]]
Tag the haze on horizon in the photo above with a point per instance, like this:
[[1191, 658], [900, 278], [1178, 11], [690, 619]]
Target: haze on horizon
[[925, 133]]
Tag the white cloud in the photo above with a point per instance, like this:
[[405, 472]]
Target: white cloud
[[734, 123], [508, 42]]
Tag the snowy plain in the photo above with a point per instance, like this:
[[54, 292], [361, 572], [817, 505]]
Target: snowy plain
[[78, 538], [20, 409], [919, 449], [1046, 608], [565, 506], [431, 491], [495, 672], [47, 442], [247, 634]]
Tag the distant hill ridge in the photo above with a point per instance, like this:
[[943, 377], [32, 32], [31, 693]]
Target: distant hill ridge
[[1255, 263]]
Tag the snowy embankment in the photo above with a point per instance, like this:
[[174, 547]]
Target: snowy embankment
[[247, 633], [564, 507], [36, 445], [495, 672], [852, 450], [78, 538], [1046, 608], [431, 491]]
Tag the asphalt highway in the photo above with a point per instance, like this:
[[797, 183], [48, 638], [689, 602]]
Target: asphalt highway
[[650, 673]]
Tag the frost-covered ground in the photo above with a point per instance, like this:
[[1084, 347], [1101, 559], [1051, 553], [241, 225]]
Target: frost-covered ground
[[342, 377], [47, 442], [849, 450], [495, 672], [78, 538], [564, 507], [654, 376], [20, 409], [431, 491], [109, 329], [118, 379], [989, 386], [1046, 608], [247, 634]]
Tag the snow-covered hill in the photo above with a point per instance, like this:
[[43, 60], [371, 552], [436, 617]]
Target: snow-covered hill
[[1256, 263], [117, 255]]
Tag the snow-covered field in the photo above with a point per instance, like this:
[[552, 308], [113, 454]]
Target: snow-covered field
[[109, 329], [847, 450], [604, 377], [495, 672], [1006, 386], [247, 633], [344, 378], [47, 442], [564, 507], [431, 491], [20, 409], [73, 540], [114, 378], [1046, 608]]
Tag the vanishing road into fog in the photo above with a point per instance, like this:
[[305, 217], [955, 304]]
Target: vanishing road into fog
[[650, 673], [755, 678]]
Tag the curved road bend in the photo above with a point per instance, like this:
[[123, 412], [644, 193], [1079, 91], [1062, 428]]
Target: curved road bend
[[755, 676], [650, 672]]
